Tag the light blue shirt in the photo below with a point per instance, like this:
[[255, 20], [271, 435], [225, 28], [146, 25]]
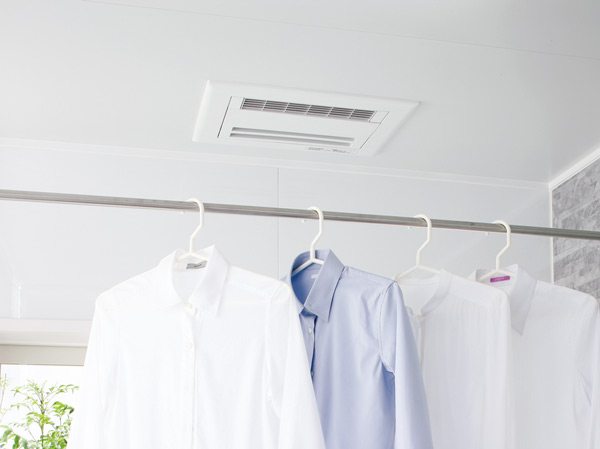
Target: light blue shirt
[[363, 358]]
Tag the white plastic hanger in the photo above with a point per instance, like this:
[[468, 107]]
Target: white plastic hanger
[[313, 257], [418, 265], [498, 269], [192, 254]]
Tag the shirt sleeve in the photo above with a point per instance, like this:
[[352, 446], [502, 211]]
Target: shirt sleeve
[[89, 418], [595, 421], [291, 388], [400, 357], [587, 325]]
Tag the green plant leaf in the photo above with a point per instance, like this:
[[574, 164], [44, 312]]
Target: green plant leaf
[[42, 416]]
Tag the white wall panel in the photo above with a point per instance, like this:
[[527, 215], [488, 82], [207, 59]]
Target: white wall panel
[[56, 259]]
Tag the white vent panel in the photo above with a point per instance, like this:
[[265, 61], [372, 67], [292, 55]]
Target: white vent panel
[[270, 117]]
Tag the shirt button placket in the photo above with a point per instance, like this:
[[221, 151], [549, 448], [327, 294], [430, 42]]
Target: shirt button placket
[[188, 378], [195, 379], [311, 335]]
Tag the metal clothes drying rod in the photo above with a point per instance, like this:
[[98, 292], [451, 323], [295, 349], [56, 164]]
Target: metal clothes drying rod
[[92, 200]]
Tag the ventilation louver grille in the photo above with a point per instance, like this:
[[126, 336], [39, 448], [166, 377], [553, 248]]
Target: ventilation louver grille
[[291, 137], [252, 104]]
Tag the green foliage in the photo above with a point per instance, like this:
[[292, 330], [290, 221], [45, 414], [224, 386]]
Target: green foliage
[[45, 421], [3, 386]]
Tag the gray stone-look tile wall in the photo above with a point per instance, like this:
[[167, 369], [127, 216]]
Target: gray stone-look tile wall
[[576, 205]]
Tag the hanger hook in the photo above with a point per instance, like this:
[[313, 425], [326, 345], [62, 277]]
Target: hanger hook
[[422, 247], [201, 221], [316, 239], [508, 235]]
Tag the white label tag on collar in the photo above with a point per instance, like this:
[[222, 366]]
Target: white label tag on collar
[[201, 264]]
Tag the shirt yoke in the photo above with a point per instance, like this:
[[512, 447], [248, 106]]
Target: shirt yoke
[[571, 302], [478, 293], [258, 284], [129, 293], [374, 280]]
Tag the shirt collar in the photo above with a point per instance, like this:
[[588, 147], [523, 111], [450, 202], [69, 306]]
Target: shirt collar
[[320, 296], [520, 290], [207, 294], [444, 283]]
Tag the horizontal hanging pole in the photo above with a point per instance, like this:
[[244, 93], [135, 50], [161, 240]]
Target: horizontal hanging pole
[[140, 203]]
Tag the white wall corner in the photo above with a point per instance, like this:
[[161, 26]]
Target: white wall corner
[[574, 169]]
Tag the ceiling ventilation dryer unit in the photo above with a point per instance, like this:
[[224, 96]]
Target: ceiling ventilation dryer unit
[[272, 117]]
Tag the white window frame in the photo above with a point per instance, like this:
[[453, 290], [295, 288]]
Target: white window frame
[[43, 342]]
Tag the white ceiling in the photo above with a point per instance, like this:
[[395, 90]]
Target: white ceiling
[[507, 89]]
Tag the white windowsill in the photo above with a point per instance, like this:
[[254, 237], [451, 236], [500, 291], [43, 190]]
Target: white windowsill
[[57, 333]]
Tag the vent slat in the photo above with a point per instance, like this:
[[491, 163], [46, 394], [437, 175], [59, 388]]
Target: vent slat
[[289, 139], [240, 131], [254, 104]]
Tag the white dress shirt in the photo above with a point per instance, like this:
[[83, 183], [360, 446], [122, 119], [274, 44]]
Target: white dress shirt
[[197, 358], [462, 330], [556, 343]]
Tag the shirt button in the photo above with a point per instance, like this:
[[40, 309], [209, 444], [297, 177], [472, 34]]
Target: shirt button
[[190, 345], [190, 306], [310, 329]]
